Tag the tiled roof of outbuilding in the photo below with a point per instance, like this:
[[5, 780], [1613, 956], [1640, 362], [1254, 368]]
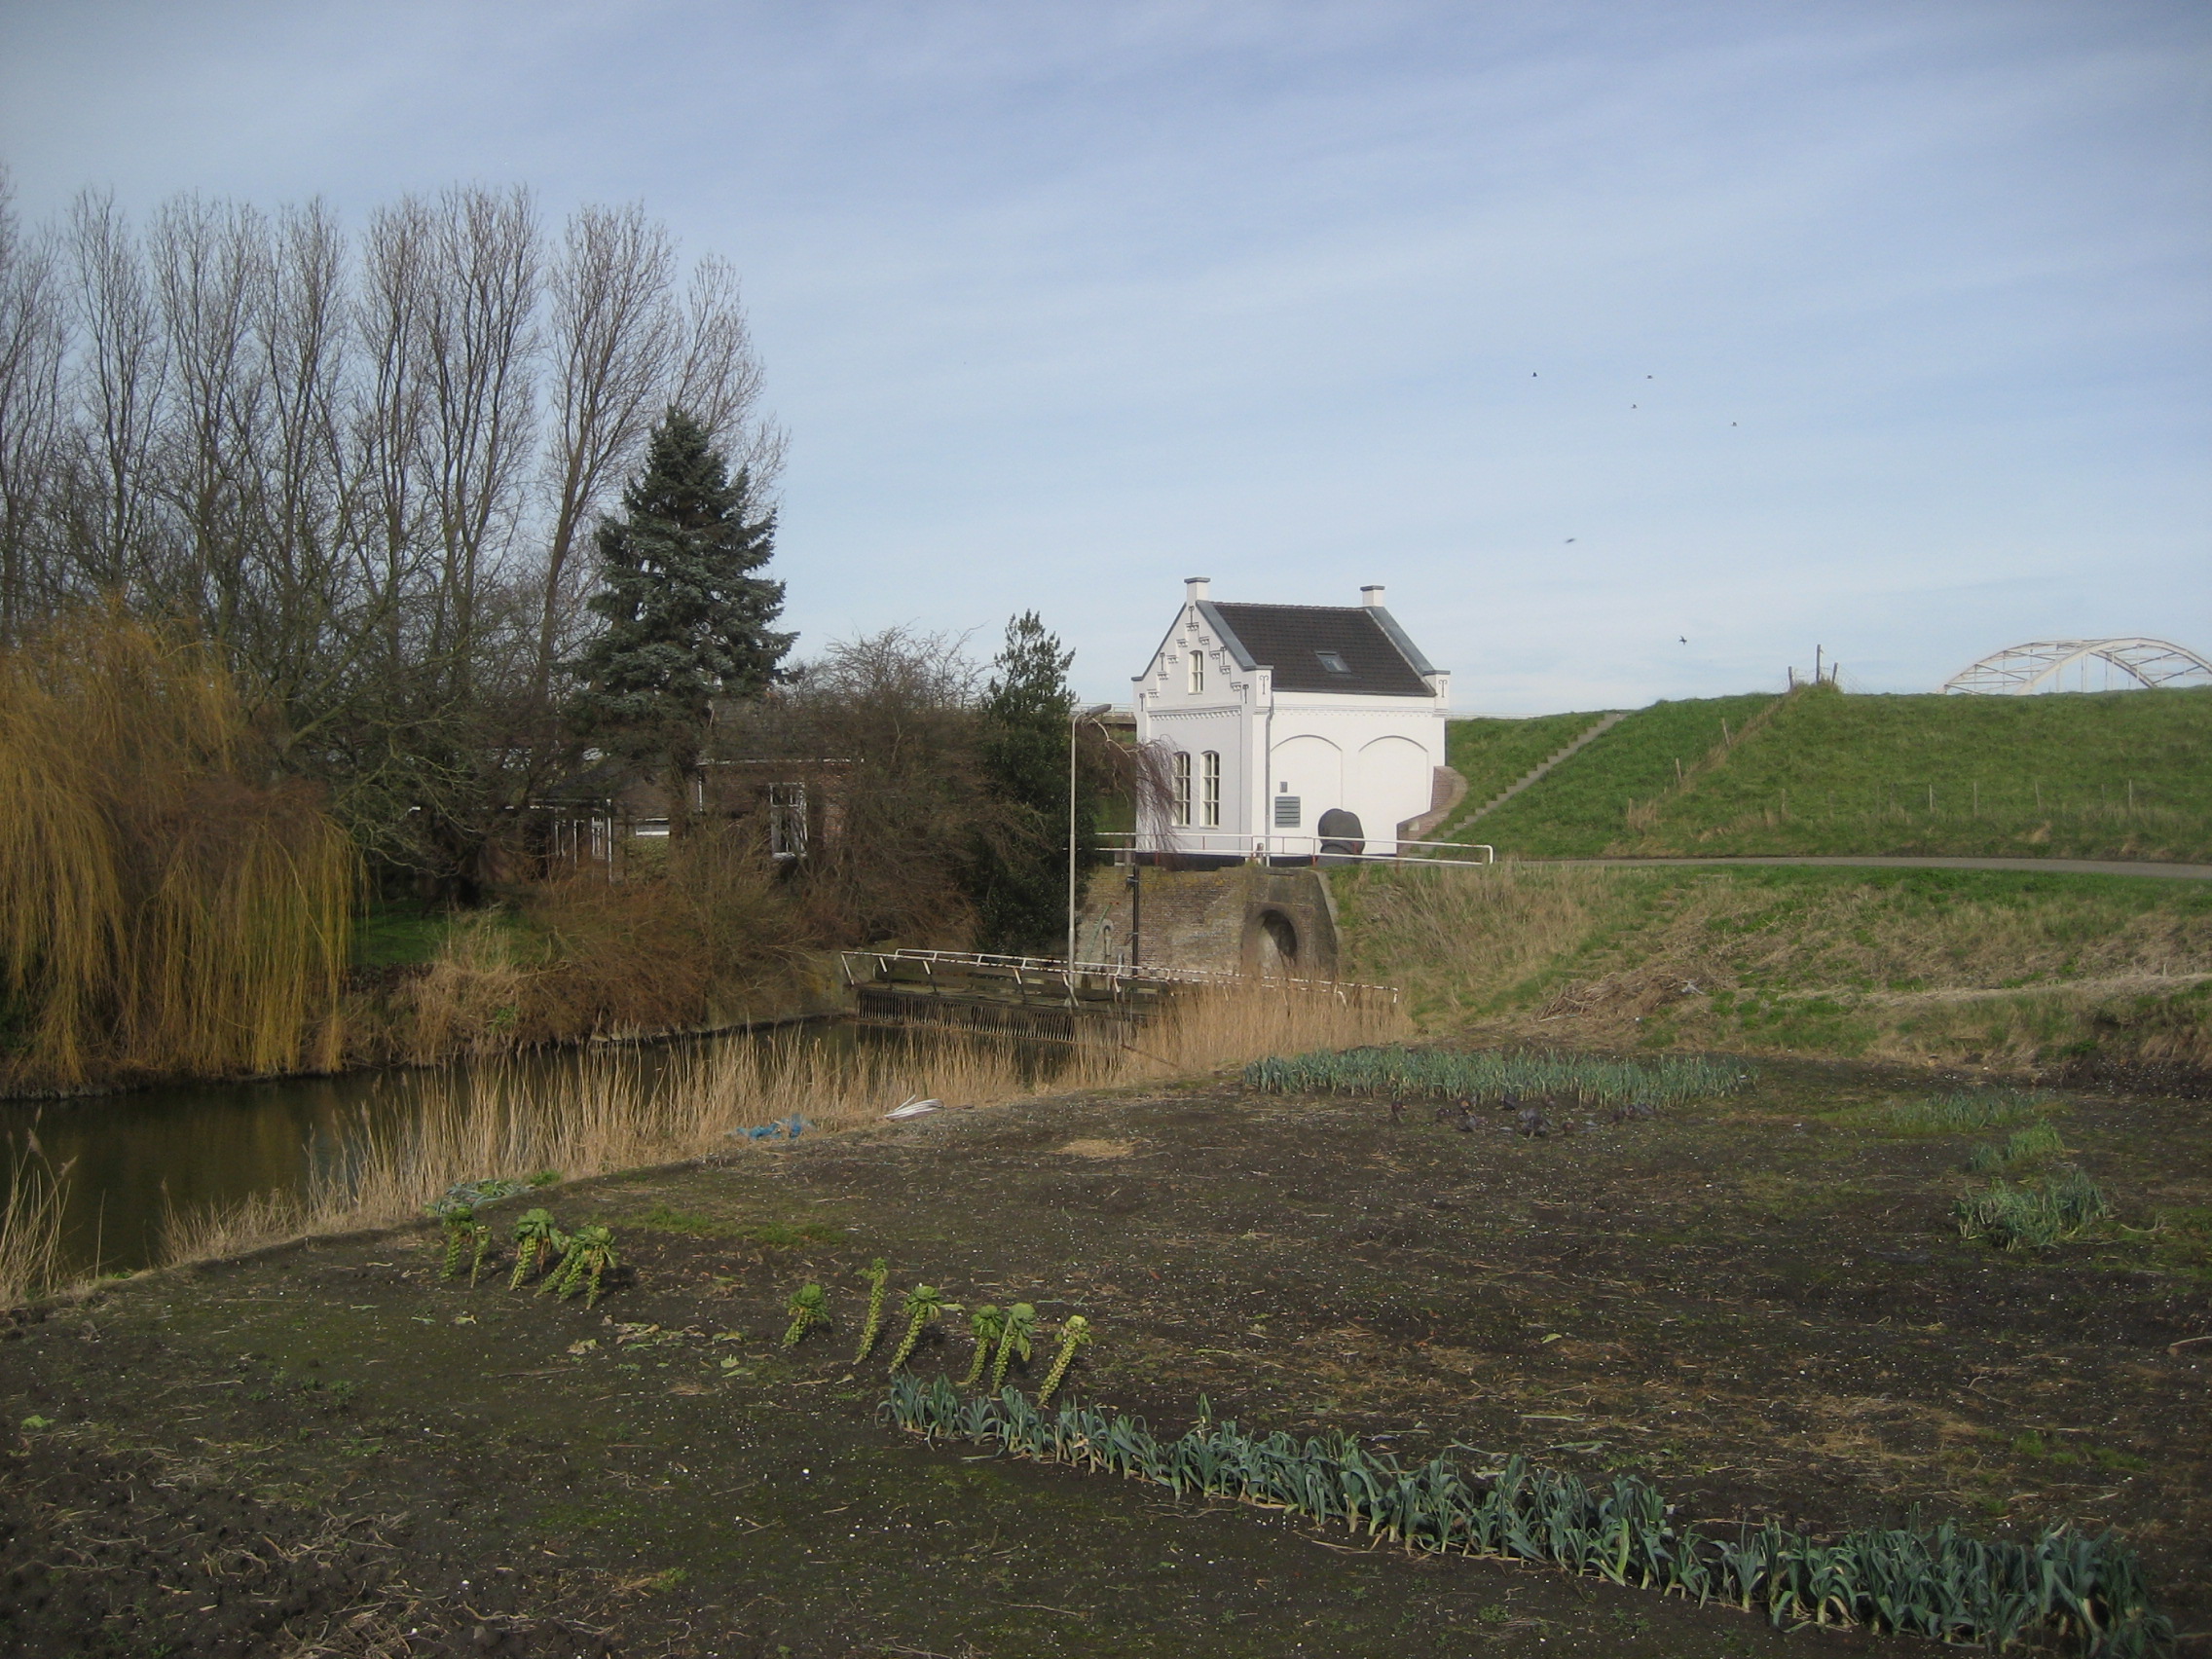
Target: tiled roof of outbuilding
[[1292, 641]]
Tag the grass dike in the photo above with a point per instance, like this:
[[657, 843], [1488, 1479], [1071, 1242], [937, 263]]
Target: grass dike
[[1820, 772]]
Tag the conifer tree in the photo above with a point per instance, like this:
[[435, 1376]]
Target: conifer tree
[[1019, 877], [686, 614]]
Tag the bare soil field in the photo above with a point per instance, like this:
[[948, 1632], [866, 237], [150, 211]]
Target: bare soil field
[[1762, 1303]]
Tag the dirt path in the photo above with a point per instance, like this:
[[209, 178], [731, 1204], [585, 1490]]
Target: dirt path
[[1759, 1305], [2032, 866]]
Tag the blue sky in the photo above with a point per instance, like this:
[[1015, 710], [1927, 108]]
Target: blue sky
[[1585, 328]]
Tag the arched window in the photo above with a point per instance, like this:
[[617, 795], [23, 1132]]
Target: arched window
[[1182, 787], [1209, 790]]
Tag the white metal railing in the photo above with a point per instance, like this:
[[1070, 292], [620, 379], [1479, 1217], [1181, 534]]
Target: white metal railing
[[1045, 971], [1216, 843]]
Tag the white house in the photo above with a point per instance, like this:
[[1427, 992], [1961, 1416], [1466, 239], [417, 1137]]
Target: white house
[[1282, 723]]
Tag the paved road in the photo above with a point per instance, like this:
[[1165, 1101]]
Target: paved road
[[2046, 867]]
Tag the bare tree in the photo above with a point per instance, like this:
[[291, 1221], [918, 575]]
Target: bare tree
[[121, 374], [614, 340], [364, 468], [34, 339]]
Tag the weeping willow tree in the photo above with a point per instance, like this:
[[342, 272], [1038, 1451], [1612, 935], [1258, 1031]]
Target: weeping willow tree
[[165, 906]]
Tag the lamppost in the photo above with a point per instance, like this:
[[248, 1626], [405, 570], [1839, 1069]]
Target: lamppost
[[1075, 717]]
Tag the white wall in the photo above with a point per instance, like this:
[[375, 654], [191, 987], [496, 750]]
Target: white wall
[[1373, 755]]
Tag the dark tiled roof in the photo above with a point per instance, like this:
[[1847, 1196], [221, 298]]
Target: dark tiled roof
[[1379, 660]]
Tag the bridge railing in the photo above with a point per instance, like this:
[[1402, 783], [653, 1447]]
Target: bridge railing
[[1123, 844], [949, 973]]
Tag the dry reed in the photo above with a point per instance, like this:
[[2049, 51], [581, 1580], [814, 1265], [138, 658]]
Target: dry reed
[[30, 1225], [160, 911], [612, 1110]]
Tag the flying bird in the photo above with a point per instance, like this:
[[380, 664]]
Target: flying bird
[[1570, 541], [1685, 638]]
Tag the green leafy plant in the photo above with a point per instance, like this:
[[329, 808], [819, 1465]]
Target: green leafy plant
[[878, 1276], [460, 1223], [806, 1309], [1014, 1336], [480, 1246], [1075, 1334], [923, 1303], [1965, 1112], [2033, 1215], [1937, 1582], [539, 1243], [987, 1324], [2021, 1146], [1488, 1074], [590, 1256]]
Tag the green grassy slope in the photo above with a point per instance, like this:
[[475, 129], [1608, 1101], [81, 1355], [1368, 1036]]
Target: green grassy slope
[[1581, 808], [2096, 775], [2011, 968], [1493, 754]]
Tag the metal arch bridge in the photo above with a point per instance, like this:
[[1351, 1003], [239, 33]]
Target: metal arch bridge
[[2045, 665]]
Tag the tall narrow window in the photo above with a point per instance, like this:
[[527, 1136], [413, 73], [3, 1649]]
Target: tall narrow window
[[1182, 787], [787, 821], [1209, 790], [1198, 672]]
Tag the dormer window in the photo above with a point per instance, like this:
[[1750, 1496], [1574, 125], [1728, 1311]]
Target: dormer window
[[1333, 663]]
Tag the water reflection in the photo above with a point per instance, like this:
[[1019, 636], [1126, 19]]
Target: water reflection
[[133, 1155]]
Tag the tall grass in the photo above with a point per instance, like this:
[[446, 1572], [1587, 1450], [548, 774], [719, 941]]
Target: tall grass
[[1490, 1075], [609, 1111], [30, 1225], [163, 908]]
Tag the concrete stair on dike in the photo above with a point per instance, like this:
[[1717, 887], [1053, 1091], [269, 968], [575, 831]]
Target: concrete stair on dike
[[1589, 735]]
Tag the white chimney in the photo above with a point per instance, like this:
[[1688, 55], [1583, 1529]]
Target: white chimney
[[1194, 588], [1372, 595]]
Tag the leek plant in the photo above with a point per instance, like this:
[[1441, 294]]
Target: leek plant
[[1015, 1327], [923, 1303], [1073, 1335], [2021, 1146], [878, 1276], [1666, 1080], [1937, 1582], [806, 1311], [987, 1324], [2033, 1215]]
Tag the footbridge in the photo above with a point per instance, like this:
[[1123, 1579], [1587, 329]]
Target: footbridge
[[1032, 996]]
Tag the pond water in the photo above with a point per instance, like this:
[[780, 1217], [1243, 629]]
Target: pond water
[[134, 1155]]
